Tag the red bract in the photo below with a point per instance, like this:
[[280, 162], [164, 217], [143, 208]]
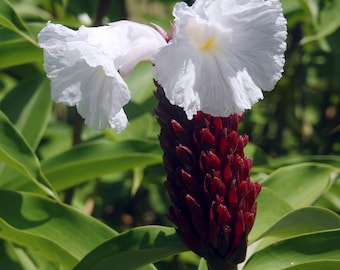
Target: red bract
[[208, 181]]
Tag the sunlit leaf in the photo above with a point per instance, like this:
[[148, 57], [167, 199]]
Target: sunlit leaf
[[18, 52], [32, 110], [133, 249], [304, 220], [10, 19], [307, 248], [320, 264], [301, 184], [94, 159], [57, 231], [270, 209], [16, 153], [331, 160]]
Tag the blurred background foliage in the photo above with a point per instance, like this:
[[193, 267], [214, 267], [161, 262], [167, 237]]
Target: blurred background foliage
[[118, 178]]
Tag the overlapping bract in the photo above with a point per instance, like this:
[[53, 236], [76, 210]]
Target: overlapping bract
[[213, 199]]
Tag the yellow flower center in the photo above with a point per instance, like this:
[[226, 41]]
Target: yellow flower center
[[208, 44], [200, 36]]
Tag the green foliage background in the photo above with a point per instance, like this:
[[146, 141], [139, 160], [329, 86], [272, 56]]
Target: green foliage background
[[74, 198]]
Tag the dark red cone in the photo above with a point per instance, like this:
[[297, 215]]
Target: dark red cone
[[208, 181]]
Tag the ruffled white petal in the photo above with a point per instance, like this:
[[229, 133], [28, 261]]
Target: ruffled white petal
[[85, 67], [222, 54], [140, 42]]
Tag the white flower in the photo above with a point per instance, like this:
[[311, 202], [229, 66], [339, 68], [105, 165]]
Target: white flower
[[222, 54], [85, 67]]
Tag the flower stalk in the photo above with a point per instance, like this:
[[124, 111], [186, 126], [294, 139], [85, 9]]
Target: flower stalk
[[208, 181]]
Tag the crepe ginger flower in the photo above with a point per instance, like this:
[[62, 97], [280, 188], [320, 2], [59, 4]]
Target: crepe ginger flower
[[223, 52], [208, 181], [86, 67]]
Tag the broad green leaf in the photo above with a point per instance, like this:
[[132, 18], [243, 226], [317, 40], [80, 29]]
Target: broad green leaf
[[10, 19], [304, 220], [18, 52], [298, 250], [32, 110], [16, 153], [316, 265], [98, 158], [133, 249], [59, 232], [331, 160], [331, 199], [270, 209], [298, 222], [300, 185], [27, 259], [30, 116]]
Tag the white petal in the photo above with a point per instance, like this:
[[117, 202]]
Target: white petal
[[140, 43], [222, 54], [83, 67], [83, 75], [119, 122], [126, 43], [102, 97]]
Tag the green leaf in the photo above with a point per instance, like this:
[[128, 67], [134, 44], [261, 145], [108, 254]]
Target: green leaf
[[138, 175], [331, 199], [329, 23], [140, 83], [140, 124], [258, 156], [321, 264], [18, 52], [16, 153], [30, 115], [32, 108], [133, 249], [147, 267], [270, 209], [202, 265], [26, 9], [98, 158], [28, 259], [300, 185], [7, 257], [59, 232], [304, 220], [308, 248], [7, 83], [10, 19], [331, 160]]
